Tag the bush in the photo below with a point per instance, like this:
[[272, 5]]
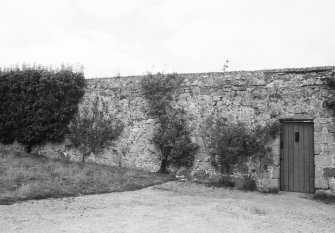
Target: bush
[[174, 139], [94, 129], [249, 183], [37, 104], [232, 142], [173, 135]]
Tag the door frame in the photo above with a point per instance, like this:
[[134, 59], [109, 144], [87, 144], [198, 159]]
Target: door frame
[[295, 120]]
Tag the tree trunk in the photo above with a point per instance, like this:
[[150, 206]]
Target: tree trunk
[[163, 166], [164, 161], [28, 148]]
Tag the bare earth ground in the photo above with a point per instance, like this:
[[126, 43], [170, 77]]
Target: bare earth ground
[[172, 207]]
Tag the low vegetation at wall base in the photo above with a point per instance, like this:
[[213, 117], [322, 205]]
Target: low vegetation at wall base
[[234, 143]]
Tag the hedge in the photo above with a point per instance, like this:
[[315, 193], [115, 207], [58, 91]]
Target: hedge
[[37, 104]]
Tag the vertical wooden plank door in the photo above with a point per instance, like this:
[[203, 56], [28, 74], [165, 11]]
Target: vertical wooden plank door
[[297, 156]]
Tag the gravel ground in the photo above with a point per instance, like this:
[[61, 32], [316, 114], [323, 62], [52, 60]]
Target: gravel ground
[[172, 207]]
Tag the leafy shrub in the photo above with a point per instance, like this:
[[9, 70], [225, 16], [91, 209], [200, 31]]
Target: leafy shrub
[[174, 139], [249, 183], [38, 103], [94, 128], [231, 142], [173, 135]]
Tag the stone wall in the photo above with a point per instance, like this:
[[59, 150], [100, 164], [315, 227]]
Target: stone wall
[[253, 97]]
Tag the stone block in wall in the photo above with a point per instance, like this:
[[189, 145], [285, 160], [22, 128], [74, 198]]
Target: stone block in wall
[[329, 172], [258, 94], [237, 100], [153, 148], [321, 183], [126, 132], [276, 173], [205, 91], [263, 117], [246, 100], [324, 137], [318, 127], [328, 148], [275, 146], [268, 183], [276, 159], [324, 93], [332, 184], [324, 120], [240, 88], [317, 148], [319, 172], [257, 82], [323, 160], [325, 112], [245, 114], [330, 127]]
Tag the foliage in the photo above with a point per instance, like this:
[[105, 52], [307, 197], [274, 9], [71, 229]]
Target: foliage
[[225, 66], [231, 142], [249, 183], [174, 139], [94, 129], [330, 101], [173, 135], [158, 91], [38, 103]]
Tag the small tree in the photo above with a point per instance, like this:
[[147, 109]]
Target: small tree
[[174, 140], [94, 128], [172, 136]]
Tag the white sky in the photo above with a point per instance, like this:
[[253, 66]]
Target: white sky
[[133, 37]]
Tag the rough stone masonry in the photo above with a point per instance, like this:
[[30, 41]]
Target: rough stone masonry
[[252, 97]]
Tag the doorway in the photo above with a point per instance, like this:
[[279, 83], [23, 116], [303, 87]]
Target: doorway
[[297, 156]]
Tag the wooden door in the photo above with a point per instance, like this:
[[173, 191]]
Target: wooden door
[[297, 156]]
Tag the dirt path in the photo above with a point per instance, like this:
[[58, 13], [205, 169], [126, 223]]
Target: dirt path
[[172, 207]]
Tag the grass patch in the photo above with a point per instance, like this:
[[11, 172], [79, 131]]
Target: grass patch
[[26, 177]]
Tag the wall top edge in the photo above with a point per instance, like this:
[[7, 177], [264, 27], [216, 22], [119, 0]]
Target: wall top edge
[[279, 71]]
